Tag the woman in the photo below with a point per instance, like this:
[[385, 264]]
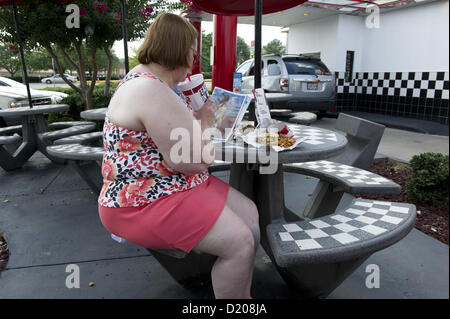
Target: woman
[[154, 201]]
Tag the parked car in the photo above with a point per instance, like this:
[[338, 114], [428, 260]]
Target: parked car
[[58, 79], [307, 78], [14, 94]]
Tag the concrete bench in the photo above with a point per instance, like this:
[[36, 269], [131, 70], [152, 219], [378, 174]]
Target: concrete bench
[[10, 139], [363, 139], [85, 138], [219, 166], [61, 125], [281, 112], [317, 255], [304, 118], [73, 130], [10, 130], [346, 178], [86, 160]]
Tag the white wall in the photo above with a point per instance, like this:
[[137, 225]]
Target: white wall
[[413, 39], [408, 40], [315, 36]]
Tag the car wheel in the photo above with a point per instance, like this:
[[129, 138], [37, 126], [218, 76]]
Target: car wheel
[[321, 114], [48, 82]]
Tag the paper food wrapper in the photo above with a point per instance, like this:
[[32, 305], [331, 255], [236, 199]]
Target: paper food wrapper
[[251, 138]]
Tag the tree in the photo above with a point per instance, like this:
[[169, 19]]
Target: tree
[[9, 59], [274, 47], [100, 26], [242, 51], [206, 53]]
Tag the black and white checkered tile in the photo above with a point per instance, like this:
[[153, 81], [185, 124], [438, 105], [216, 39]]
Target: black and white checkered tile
[[432, 85], [361, 221], [314, 136], [349, 174]]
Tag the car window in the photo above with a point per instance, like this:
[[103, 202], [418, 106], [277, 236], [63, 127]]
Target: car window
[[309, 67], [3, 83], [244, 68], [252, 69]]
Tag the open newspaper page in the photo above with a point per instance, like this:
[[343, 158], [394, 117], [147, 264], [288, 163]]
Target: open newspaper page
[[231, 108]]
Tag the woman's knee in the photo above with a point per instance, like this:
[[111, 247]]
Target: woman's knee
[[244, 243]]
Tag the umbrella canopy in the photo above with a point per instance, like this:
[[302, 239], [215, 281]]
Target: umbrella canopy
[[244, 7]]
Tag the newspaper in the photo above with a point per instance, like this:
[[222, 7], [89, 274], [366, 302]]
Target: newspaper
[[230, 112]]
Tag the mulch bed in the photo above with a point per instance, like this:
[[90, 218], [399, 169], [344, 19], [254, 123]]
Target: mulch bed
[[4, 253], [430, 220]]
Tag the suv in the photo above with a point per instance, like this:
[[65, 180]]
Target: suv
[[309, 81]]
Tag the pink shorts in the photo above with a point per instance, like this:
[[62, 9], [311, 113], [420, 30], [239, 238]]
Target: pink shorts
[[177, 221]]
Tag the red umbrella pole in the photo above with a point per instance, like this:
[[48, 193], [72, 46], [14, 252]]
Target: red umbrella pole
[[24, 66]]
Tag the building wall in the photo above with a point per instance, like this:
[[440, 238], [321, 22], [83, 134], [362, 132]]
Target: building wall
[[400, 69]]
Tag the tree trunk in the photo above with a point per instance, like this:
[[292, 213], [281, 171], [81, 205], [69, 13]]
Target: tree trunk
[[109, 71]]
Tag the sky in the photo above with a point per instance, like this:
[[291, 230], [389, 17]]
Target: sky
[[245, 31]]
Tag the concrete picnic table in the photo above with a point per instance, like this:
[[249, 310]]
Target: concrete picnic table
[[33, 126], [258, 173]]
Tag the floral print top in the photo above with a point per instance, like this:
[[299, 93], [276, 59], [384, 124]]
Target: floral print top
[[133, 169]]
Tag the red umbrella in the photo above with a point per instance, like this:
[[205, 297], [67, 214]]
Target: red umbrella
[[244, 7]]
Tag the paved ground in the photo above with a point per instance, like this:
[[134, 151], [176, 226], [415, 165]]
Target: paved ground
[[49, 218]]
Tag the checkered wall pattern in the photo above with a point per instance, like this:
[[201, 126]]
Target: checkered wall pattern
[[421, 95]]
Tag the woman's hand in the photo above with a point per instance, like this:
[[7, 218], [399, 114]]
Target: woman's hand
[[207, 112]]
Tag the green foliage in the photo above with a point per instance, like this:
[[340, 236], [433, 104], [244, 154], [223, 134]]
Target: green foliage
[[274, 47], [429, 182], [76, 105], [242, 51], [206, 49]]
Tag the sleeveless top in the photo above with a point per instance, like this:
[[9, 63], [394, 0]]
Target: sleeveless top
[[134, 170]]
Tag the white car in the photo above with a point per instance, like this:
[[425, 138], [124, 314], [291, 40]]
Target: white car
[[58, 79], [14, 94]]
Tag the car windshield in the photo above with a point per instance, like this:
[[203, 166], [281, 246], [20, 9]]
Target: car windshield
[[9, 82], [307, 67]]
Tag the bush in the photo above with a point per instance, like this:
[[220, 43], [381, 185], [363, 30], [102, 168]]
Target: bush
[[76, 106], [429, 181]]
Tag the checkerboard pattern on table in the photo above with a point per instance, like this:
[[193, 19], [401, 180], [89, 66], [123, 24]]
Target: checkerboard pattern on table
[[361, 221], [432, 85], [349, 174], [313, 135]]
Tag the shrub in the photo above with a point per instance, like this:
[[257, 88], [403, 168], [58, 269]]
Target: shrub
[[429, 181]]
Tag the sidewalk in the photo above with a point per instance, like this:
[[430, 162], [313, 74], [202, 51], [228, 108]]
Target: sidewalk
[[51, 221]]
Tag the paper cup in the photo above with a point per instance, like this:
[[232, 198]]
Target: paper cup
[[195, 91]]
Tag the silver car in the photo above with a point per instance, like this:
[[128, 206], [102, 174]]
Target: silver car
[[309, 81], [58, 79], [14, 94]]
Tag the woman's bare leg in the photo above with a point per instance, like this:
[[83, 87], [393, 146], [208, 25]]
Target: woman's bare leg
[[232, 241], [246, 209]]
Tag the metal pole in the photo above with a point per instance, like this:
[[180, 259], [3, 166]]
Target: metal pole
[[257, 79], [125, 36], [24, 66]]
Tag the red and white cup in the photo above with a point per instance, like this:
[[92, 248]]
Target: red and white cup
[[195, 91]]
